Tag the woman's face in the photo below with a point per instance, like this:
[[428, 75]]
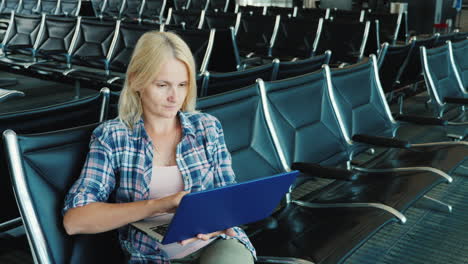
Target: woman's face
[[166, 93]]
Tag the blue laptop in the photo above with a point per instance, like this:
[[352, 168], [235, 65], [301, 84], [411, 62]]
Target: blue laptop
[[221, 208]]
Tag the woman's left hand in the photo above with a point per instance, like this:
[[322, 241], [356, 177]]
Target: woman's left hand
[[205, 237]]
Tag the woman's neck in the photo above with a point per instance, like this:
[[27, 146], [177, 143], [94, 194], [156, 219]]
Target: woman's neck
[[161, 126]]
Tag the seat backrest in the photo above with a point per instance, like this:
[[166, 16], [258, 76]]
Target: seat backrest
[[98, 6], [28, 7], [65, 115], [70, 7], [126, 41], [220, 20], [49, 7], [154, 9], [459, 51], [443, 38], [215, 83], [179, 4], [57, 36], [255, 32], [347, 15], [132, 9], [198, 4], [43, 167], [251, 10], [314, 12], [201, 43], [288, 69], [9, 5], [360, 101], [191, 18], [346, 40], [306, 128], [113, 8], [283, 11], [225, 54], [460, 36], [94, 39], [391, 62], [413, 70], [440, 76], [22, 30], [220, 6], [389, 26], [296, 37], [250, 145]]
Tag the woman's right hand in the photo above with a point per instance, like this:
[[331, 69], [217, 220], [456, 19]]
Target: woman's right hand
[[172, 201]]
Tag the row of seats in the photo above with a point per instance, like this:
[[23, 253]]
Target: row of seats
[[336, 115], [401, 65], [294, 36], [153, 10], [97, 52], [51, 7], [76, 49]]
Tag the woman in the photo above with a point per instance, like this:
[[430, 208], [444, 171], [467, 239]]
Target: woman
[[141, 164]]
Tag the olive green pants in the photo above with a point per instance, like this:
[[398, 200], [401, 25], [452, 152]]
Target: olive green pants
[[229, 251]]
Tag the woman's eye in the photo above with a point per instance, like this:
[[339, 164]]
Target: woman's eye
[[162, 85], [182, 85]]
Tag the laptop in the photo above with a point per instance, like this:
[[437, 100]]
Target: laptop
[[220, 208]]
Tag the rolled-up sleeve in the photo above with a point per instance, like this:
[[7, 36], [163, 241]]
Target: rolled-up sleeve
[[97, 178]]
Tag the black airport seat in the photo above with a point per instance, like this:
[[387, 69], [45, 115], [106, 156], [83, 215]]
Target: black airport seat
[[7, 6], [412, 72], [21, 37], [444, 83], [70, 7], [288, 69], [220, 20], [346, 40], [256, 34], [459, 50], [43, 168], [297, 37], [391, 62], [154, 10], [192, 19], [215, 83], [28, 7], [79, 112], [367, 122], [201, 43], [49, 7], [251, 10]]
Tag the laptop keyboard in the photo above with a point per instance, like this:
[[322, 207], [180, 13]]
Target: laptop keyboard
[[162, 229]]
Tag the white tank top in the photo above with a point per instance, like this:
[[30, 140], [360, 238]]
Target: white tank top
[[164, 182]]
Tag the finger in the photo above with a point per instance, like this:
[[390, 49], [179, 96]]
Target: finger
[[188, 241], [230, 232]]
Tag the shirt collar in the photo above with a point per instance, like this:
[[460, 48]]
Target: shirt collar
[[187, 126]]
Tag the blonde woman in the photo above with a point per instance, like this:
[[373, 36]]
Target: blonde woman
[[155, 152]]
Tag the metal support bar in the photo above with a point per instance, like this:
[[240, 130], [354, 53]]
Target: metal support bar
[[384, 207], [435, 204], [10, 224], [406, 169]]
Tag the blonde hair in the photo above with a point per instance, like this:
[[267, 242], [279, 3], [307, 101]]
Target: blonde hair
[[152, 50]]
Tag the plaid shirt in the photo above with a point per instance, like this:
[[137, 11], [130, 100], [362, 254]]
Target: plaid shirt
[[120, 161]]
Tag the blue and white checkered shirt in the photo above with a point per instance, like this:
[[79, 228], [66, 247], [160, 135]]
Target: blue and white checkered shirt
[[120, 162]]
